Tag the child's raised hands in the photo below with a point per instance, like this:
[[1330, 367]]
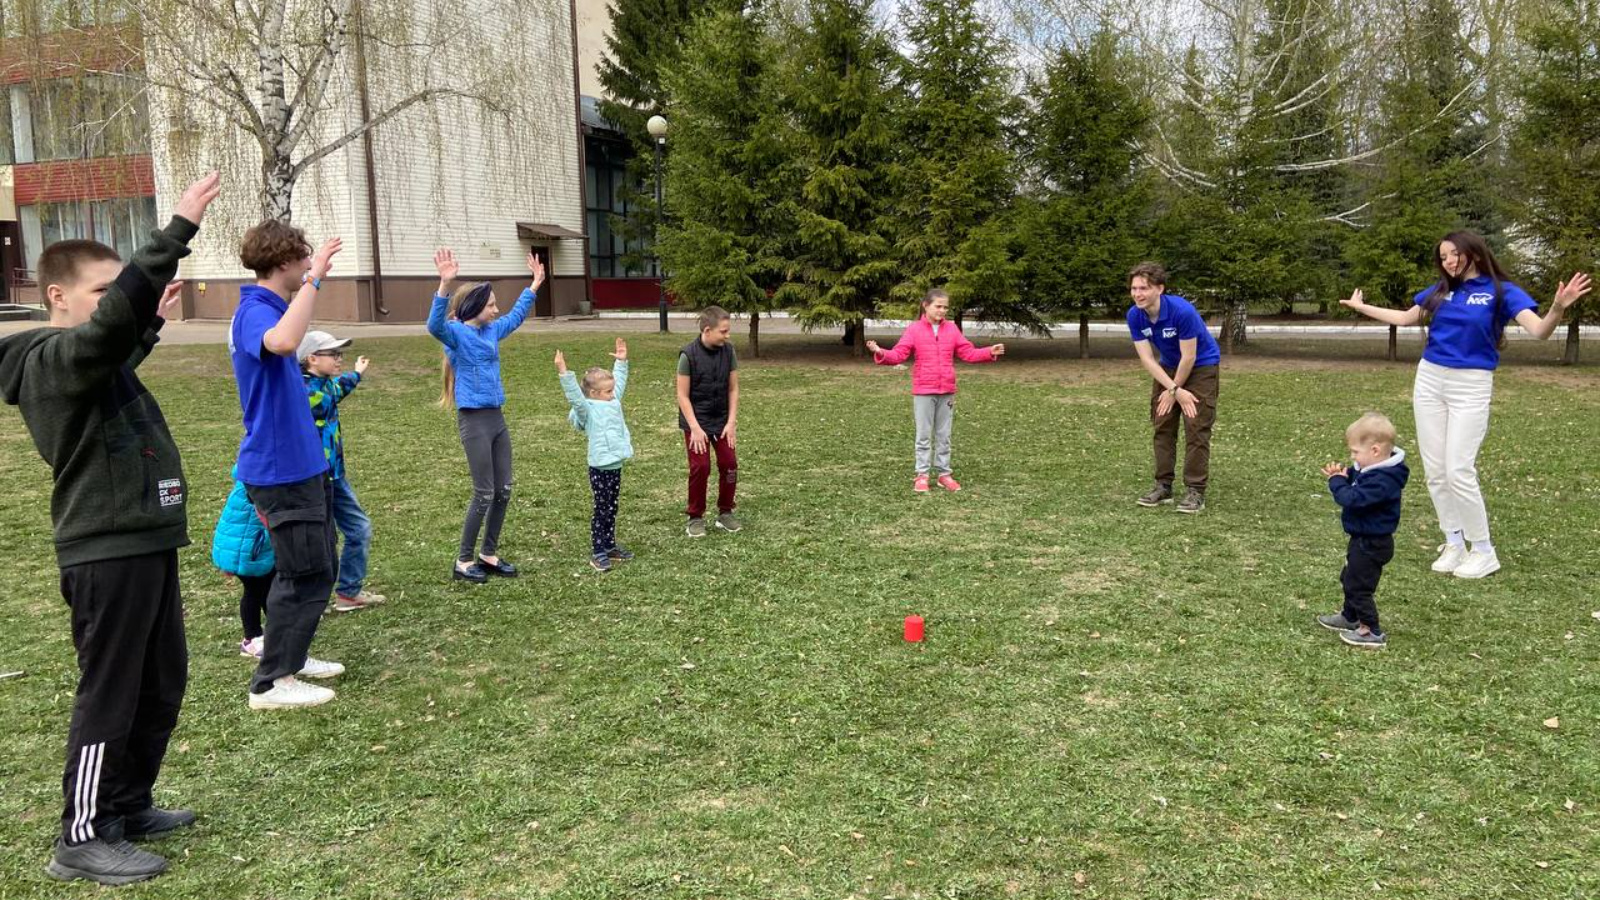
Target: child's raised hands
[[445, 261], [536, 269], [621, 353], [561, 362], [196, 197], [361, 365], [170, 300], [1332, 469]]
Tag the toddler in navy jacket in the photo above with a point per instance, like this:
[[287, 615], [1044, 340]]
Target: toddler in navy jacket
[[1369, 495]]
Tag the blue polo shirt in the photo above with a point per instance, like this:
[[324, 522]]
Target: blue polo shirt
[[281, 445], [1177, 320], [1465, 331]]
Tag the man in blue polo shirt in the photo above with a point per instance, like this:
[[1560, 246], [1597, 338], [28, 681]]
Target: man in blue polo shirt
[[1185, 380], [280, 459]]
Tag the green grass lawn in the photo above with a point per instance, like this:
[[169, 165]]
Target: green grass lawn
[[1112, 702]]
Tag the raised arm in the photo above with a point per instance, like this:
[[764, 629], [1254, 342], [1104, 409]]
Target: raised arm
[[511, 321], [1567, 293], [619, 369], [152, 335], [284, 338], [1401, 317]]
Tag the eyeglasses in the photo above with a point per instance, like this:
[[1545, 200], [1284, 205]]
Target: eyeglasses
[[334, 354]]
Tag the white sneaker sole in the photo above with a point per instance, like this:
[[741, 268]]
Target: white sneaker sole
[[320, 674], [257, 703], [1476, 575]]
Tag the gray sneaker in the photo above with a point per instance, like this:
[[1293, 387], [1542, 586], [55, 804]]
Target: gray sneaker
[[1372, 640], [1337, 622], [1161, 493], [601, 562], [1193, 501], [113, 863], [727, 522], [155, 823], [697, 528]]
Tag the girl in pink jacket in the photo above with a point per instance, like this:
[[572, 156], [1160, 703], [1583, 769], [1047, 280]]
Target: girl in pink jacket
[[935, 342]]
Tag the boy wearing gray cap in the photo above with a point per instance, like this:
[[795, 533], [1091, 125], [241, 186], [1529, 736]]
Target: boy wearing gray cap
[[327, 384]]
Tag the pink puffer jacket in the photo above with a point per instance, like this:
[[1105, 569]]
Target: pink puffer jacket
[[934, 371]]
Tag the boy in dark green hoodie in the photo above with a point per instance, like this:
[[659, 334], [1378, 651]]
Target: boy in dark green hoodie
[[119, 518]]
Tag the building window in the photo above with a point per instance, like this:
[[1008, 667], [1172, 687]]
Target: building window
[[83, 118], [122, 224], [605, 179]]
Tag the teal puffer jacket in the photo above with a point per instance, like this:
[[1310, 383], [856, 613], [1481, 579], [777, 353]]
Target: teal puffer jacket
[[240, 545]]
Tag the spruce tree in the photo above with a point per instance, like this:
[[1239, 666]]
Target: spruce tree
[[1556, 146], [838, 97], [732, 179], [955, 177]]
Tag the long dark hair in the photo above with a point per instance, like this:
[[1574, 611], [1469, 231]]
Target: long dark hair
[[1471, 245]]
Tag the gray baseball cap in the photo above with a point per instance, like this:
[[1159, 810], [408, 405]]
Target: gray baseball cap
[[318, 341]]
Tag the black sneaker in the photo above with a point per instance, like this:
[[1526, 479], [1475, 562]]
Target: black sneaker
[[501, 569], [470, 572], [1337, 622], [601, 562], [1161, 493], [1193, 501], [114, 863], [1372, 640], [620, 553], [154, 823]]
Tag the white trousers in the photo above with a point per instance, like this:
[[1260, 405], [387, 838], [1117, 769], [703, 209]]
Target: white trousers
[[1452, 410]]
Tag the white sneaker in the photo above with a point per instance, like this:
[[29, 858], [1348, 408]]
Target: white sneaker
[[320, 668], [1451, 557], [289, 693], [1478, 565], [251, 649]]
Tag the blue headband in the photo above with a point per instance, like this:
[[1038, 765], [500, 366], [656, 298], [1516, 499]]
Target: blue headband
[[473, 303]]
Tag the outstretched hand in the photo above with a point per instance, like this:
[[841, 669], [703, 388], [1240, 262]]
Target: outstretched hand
[[445, 261], [170, 300], [322, 263], [361, 365], [536, 269], [561, 362], [998, 350], [196, 197], [621, 353], [1569, 292], [1354, 301], [873, 346]]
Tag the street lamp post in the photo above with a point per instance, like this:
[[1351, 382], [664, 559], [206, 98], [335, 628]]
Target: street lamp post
[[657, 126]]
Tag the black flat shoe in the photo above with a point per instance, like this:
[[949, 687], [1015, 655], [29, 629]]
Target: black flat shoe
[[501, 569], [473, 573]]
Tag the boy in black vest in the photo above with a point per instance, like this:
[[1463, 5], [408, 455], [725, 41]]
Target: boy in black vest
[[118, 513], [708, 407]]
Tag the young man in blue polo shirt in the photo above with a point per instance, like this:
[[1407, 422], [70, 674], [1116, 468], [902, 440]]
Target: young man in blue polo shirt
[[280, 459], [1184, 365]]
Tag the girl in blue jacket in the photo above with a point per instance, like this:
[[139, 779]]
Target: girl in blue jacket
[[597, 411], [240, 547], [469, 325]]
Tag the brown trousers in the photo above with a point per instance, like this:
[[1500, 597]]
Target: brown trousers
[[1202, 383]]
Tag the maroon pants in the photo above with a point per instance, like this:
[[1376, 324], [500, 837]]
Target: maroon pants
[[700, 473]]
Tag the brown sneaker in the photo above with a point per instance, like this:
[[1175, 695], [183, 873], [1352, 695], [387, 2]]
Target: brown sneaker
[[1193, 501], [1161, 493]]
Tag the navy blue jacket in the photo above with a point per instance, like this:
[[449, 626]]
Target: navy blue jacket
[[1370, 497]]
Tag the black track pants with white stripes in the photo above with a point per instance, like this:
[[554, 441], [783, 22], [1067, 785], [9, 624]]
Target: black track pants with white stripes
[[133, 664]]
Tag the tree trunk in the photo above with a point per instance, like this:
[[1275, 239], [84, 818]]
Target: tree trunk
[[1570, 356], [961, 320], [1083, 335], [859, 349], [850, 329], [755, 333], [1227, 330], [1394, 342], [277, 188], [1241, 320]]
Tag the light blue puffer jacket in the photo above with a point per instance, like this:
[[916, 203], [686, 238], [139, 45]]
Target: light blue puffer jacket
[[240, 545], [609, 441]]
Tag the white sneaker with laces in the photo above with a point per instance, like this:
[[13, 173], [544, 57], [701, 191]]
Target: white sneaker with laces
[[289, 693], [320, 668], [370, 599], [251, 649], [1451, 556], [1479, 564]]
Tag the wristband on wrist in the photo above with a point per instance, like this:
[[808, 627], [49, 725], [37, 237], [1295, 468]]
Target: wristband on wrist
[[316, 283]]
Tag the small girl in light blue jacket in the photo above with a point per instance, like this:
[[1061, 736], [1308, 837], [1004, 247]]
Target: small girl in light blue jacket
[[240, 547], [597, 411]]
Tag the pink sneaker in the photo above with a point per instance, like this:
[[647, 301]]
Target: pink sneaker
[[921, 484], [949, 484]]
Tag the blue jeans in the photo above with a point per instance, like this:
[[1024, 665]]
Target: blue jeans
[[357, 530]]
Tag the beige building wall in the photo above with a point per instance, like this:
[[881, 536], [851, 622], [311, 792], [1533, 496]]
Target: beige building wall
[[594, 26]]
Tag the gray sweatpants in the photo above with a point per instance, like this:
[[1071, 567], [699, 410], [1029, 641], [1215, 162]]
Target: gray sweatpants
[[487, 440], [934, 413]]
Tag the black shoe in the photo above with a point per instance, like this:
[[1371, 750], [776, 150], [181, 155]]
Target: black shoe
[[501, 569], [620, 553], [1337, 622], [470, 572], [118, 862], [601, 562], [155, 823]]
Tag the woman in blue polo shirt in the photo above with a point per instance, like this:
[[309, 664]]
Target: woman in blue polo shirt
[[1467, 312], [469, 325], [1183, 369]]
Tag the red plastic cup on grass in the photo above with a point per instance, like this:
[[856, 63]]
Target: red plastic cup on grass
[[914, 629]]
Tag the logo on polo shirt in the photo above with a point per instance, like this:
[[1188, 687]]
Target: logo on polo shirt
[[1169, 332], [1480, 299], [1147, 332]]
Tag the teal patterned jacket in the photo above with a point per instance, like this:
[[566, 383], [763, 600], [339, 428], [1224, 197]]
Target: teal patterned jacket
[[325, 394]]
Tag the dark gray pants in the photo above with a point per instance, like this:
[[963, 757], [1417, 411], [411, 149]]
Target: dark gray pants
[[305, 543], [487, 440]]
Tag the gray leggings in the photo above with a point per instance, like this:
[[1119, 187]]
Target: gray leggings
[[488, 444]]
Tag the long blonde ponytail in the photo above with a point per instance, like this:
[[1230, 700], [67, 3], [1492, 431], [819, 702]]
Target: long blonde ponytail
[[447, 394]]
